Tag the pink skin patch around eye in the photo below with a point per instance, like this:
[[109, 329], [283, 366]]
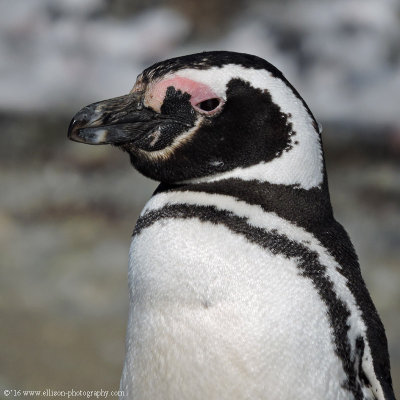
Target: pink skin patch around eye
[[198, 91]]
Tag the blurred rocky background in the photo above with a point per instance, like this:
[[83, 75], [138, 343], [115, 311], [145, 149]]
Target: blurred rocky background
[[67, 210]]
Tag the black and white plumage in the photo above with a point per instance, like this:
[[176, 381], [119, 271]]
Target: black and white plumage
[[242, 284]]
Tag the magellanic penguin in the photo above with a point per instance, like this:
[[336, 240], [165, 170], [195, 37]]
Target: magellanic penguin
[[242, 284]]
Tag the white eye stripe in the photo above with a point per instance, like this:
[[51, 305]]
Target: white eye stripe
[[168, 151]]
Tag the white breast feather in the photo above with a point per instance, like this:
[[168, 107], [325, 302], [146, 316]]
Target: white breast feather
[[207, 309], [270, 221], [202, 313]]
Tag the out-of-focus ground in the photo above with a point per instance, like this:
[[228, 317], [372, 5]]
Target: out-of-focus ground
[[67, 210]]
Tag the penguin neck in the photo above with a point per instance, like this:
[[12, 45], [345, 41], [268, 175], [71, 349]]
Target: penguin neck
[[293, 185], [308, 208]]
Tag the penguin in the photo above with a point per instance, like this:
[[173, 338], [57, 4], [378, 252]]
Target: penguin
[[242, 285]]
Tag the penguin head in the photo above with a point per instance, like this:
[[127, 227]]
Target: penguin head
[[210, 116]]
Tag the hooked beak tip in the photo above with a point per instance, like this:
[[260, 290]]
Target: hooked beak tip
[[114, 121], [80, 120], [80, 129], [73, 130]]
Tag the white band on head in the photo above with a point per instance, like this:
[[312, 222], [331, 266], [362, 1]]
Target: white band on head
[[302, 165]]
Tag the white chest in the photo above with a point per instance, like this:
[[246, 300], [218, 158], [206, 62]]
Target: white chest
[[214, 316]]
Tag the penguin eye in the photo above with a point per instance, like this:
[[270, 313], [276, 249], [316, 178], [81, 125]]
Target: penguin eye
[[209, 104]]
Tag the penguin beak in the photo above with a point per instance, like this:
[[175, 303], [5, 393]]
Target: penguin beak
[[115, 121]]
